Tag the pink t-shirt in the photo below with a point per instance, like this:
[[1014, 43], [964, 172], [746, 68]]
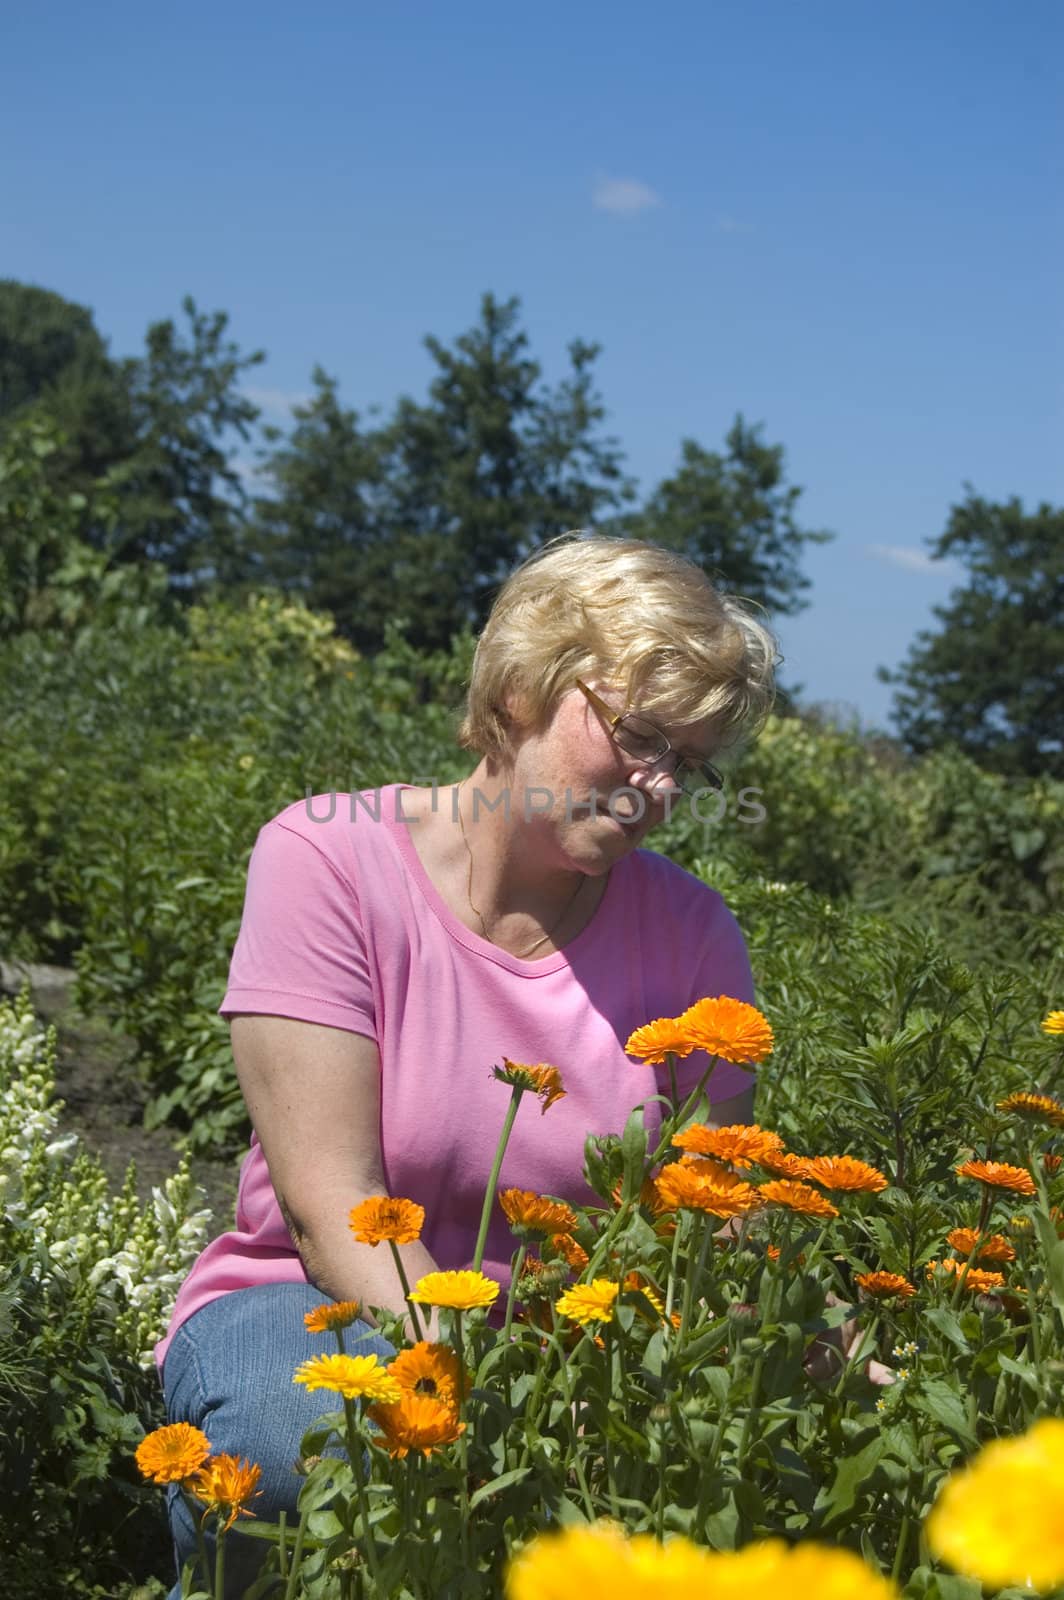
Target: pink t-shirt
[[343, 926]]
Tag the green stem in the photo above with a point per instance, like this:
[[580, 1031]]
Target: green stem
[[496, 1168], [670, 1287], [699, 1222], [672, 1123], [899, 1553], [198, 1518], [611, 1478], [578, 1466], [297, 1557], [463, 1439], [397, 1258], [354, 1451], [519, 1262], [219, 1561]]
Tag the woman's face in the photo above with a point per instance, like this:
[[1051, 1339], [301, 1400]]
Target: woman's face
[[582, 799]]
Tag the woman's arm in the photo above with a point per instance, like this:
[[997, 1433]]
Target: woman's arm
[[313, 1095]]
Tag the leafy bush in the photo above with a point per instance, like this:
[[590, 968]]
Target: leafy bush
[[87, 1282]]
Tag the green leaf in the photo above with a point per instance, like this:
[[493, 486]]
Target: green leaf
[[497, 1485], [851, 1473]]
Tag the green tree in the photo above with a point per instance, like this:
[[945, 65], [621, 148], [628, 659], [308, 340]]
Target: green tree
[[423, 516], [990, 678], [734, 514]]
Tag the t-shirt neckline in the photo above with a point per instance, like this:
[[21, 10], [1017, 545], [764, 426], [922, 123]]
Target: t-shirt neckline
[[473, 942]]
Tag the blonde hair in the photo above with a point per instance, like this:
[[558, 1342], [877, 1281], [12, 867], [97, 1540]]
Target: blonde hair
[[644, 620]]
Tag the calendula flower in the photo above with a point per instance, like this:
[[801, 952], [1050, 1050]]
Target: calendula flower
[[431, 1370], [741, 1145], [383, 1218], [457, 1291], [976, 1281], [1050, 1164], [999, 1175], [564, 1245], [784, 1163], [1001, 1519], [599, 1563], [542, 1080], [355, 1377], [995, 1247], [589, 1302], [844, 1173], [884, 1285], [797, 1197], [225, 1484], [683, 1186], [169, 1454], [635, 1282], [415, 1422], [532, 1213], [1054, 1023], [326, 1318], [1035, 1107], [655, 1041], [729, 1029]]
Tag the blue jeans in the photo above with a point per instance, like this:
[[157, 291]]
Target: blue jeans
[[229, 1370]]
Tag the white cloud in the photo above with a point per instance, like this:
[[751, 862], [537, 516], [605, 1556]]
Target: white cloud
[[912, 558], [275, 402], [624, 197]]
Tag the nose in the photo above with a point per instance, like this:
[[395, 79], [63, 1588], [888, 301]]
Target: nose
[[657, 780]]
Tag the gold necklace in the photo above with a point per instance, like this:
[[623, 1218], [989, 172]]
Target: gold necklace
[[480, 915]]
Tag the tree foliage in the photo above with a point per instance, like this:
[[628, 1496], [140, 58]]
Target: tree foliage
[[990, 678], [734, 515]]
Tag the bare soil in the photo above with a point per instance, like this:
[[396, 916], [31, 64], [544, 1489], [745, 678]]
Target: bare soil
[[103, 1099]]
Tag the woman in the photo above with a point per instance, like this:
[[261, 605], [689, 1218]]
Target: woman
[[396, 944]]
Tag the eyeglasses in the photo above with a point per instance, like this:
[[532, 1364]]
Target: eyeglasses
[[648, 745]]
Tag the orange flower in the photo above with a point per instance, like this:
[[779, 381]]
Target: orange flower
[[797, 1197], [431, 1370], [224, 1484], [324, 1318], [995, 1247], [882, 1285], [528, 1211], [654, 1041], [564, 1245], [999, 1175], [542, 1080], [1050, 1164], [382, 1217], [740, 1144], [728, 1028], [683, 1185], [844, 1173], [977, 1281], [416, 1422], [1038, 1107], [783, 1163], [172, 1453]]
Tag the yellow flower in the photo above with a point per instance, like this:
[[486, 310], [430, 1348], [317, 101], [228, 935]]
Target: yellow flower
[[654, 1041], [325, 1318], [844, 1173], [542, 1080], [999, 1175], [882, 1285], [797, 1197], [995, 1247], [172, 1453], [382, 1217], [355, 1377], [458, 1291], [224, 1484], [1037, 1107], [430, 1370], [728, 1028], [1054, 1023], [599, 1563], [416, 1422], [1001, 1519], [741, 1144], [526, 1210], [589, 1302], [637, 1283]]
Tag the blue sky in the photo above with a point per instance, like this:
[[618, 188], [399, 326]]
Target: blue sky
[[842, 220]]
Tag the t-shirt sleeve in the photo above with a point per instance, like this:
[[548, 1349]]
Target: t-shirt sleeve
[[723, 969], [301, 950]]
